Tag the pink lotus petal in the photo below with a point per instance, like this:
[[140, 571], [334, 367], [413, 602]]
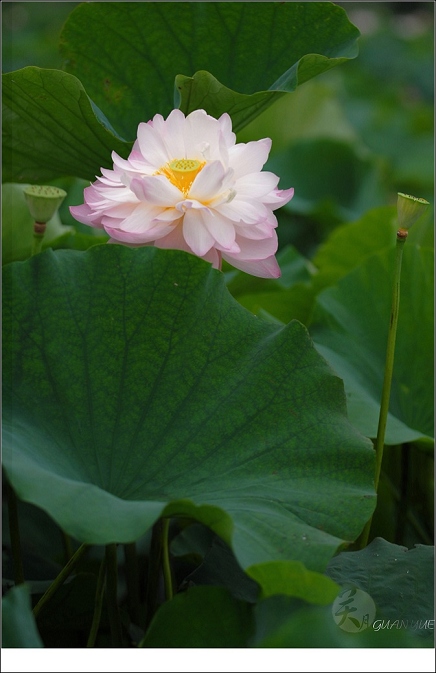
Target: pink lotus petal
[[263, 268], [256, 185], [279, 197], [255, 231], [244, 210], [136, 238], [190, 204], [196, 234], [208, 182], [140, 219], [167, 215], [157, 190], [99, 194], [222, 230], [226, 130], [173, 134], [213, 256], [85, 215], [120, 211], [152, 147], [202, 136], [257, 249], [249, 157], [174, 241]]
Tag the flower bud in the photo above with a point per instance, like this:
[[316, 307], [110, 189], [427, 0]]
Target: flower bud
[[409, 209], [43, 201]]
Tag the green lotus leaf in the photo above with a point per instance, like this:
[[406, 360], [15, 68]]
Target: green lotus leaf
[[201, 617], [291, 578], [51, 128], [130, 64], [399, 580], [136, 387]]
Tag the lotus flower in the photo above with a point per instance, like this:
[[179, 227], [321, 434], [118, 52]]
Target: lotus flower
[[187, 185]]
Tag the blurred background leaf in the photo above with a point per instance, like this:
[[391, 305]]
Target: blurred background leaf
[[286, 622], [350, 327], [18, 623], [31, 32]]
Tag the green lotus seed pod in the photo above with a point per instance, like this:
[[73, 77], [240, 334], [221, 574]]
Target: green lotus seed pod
[[409, 209], [43, 201]]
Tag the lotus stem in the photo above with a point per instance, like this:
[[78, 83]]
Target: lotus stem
[[389, 367], [98, 603], [112, 595], [166, 561], [132, 580], [60, 579], [153, 575]]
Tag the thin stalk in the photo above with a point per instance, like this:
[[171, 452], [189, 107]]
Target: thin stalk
[[60, 579], [37, 244], [112, 595], [68, 548], [98, 603], [14, 531], [389, 367], [403, 502], [166, 566], [132, 581], [38, 237], [390, 355], [154, 568], [410, 516]]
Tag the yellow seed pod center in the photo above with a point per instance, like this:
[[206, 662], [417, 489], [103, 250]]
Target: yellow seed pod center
[[185, 165], [182, 173]]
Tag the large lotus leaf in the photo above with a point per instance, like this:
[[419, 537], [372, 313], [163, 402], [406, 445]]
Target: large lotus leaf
[[296, 303], [350, 329], [211, 617], [400, 582], [127, 55], [204, 91], [136, 386], [291, 578], [51, 128], [201, 617]]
